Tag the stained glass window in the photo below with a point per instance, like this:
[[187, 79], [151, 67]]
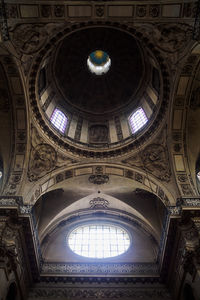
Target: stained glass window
[[59, 120], [137, 120], [99, 241]]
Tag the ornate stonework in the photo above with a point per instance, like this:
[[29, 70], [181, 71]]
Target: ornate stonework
[[101, 268], [153, 159], [43, 160], [103, 293], [99, 203]]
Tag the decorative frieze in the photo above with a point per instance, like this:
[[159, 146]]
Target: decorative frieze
[[100, 293], [101, 268]]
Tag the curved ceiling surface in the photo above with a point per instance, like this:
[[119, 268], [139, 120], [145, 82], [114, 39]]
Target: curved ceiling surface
[[88, 92]]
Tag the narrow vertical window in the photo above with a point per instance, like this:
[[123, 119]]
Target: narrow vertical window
[[59, 120], [137, 120], [198, 176]]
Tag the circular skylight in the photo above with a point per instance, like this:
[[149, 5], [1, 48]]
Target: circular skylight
[[98, 240], [99, 62]]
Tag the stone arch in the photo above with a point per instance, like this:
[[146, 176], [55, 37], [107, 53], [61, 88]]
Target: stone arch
[[101, 172], [181, 146], [13, 108]]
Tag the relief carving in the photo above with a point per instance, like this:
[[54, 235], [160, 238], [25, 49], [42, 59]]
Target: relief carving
[[43, 160], [153, 159], [29, 38], [171, 37], [98, 134]]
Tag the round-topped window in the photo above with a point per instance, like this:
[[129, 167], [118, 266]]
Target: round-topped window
[[99, 240], [99, 62]]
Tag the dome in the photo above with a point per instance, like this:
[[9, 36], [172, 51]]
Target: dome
[[108, 79]]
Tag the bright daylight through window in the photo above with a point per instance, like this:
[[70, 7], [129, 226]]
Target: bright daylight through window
[[59, 120], [137, 120], [198, 175], [99, 62], [99, 241]]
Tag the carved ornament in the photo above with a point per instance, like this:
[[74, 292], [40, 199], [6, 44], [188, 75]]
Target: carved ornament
[[99, 203], [43, 160], [153, 159]]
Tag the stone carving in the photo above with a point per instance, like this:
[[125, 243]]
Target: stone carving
[[98, 179], [101, 268], [43, 160], [26, 209], [12, 11], [182, 178], [46, 11], [99, 203], [29, 38], [141, 11], [153, 159], [59, 10], [154, 11], [9, 201], [171, 37], [98, 134], [174, 210], [99, 10], [193, 202], [100, 293], [186, 189]]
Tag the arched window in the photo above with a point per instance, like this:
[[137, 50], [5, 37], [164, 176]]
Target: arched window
[[59, 120], [137, 120], [198, 176], [99, 240]]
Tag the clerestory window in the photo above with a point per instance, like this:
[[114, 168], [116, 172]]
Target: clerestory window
[[59, 120], [137, 120]]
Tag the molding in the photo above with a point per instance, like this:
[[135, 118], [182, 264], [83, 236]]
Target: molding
[[104, 269], [97, 293]]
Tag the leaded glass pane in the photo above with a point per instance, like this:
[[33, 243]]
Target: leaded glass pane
[[137, 120], [99, 241]]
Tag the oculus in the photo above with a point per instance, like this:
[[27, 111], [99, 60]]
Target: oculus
[[99, 62], [99, 240]]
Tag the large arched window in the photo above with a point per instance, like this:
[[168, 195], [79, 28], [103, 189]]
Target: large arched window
[[137, 120], [99, 240], [59, 120]]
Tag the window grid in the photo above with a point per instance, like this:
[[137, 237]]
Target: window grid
[[198, 175], [137, 120], [59, 120], [99, 241]]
